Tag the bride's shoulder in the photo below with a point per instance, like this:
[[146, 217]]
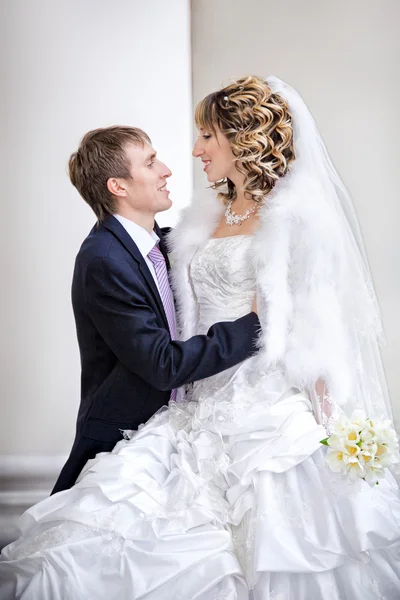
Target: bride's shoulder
[[299, 196], [299, 215]]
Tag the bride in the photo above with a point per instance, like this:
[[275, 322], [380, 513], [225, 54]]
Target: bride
[[226, 494]]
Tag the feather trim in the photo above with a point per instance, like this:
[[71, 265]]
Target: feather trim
[[299, 260]]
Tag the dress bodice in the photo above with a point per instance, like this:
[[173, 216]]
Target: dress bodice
[[223, 278]]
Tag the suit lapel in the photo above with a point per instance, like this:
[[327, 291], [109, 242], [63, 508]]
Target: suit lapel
[[123, 236]]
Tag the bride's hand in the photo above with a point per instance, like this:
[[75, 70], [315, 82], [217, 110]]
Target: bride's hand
[[254, 305]]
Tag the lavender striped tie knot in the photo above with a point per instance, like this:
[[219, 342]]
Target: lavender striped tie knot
[[158, 260]]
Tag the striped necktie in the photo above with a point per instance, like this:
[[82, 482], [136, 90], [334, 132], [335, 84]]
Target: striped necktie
[[160, 267]]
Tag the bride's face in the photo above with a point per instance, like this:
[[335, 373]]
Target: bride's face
[[216, 154]]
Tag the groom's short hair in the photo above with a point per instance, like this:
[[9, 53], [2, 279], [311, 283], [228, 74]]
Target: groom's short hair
[[101, 155]]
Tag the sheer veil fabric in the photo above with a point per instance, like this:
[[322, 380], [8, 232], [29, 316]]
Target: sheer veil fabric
[[352, 279]]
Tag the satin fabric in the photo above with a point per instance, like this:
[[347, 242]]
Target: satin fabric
[[225, 495]]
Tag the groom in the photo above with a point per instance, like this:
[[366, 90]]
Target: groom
[[122, 301]]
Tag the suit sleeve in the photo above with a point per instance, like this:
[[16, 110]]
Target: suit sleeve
[[125, 320]]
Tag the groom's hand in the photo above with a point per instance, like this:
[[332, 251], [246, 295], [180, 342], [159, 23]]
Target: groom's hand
[[123, 316]]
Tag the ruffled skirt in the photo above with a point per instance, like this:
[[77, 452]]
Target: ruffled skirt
[[224, 496]]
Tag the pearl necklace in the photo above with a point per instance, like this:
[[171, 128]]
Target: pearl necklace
[[232, 218]]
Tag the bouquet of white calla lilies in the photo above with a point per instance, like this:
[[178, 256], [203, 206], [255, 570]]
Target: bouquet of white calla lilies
[[359, 447]]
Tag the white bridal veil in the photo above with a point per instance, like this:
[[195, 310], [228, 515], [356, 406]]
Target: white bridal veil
[[354, 283]]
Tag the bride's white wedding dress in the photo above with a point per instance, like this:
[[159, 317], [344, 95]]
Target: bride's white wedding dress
[[223, 496]]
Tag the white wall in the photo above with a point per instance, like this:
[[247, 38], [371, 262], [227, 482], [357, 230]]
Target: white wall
[[343, 57], [68, 67]]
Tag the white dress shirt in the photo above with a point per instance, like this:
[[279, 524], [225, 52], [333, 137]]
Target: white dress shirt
[[144, 240]]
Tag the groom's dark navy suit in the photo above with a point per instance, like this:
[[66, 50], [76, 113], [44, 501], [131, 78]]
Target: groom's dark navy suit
[[129, 363]]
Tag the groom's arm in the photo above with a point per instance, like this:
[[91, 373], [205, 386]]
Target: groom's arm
[[123, 317]]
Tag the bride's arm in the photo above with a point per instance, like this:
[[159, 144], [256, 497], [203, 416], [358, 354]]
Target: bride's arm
[[323, 405]]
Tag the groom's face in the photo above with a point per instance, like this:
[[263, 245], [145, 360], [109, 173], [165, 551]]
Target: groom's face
[[147, 190]]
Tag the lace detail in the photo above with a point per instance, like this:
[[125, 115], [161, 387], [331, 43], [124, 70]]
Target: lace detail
[[328, 412], [295, 514], [68, 532], [374, 586], [243, 537], [226, 591], [223, 279], [328, 423]]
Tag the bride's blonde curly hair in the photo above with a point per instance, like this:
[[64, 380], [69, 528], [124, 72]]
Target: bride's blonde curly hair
[[258, 125]]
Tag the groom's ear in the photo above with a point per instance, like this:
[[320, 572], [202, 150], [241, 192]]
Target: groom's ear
[[116, 186]]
